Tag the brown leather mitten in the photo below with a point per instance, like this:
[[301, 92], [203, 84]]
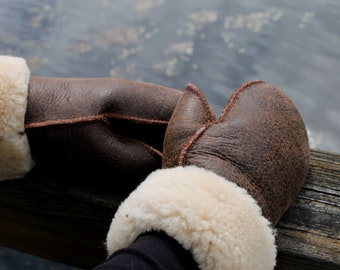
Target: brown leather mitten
[[225, 181], [101, 125], [82, 127], [259, 142]]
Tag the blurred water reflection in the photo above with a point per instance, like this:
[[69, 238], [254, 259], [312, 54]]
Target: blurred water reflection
[[217, 45]]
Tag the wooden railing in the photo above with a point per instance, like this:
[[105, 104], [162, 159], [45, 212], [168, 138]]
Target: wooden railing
[[67, 221]]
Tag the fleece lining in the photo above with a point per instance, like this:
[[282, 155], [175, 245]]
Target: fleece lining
[[219, 222], [15, 155]]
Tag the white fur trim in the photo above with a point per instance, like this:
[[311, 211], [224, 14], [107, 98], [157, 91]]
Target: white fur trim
[[219, 222], [15, 155]]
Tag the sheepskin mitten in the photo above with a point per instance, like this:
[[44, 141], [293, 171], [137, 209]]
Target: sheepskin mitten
[[225, 181], [99, 126], [102, 127]]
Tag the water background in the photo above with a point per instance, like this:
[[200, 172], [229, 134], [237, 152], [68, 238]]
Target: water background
[[216, 44]]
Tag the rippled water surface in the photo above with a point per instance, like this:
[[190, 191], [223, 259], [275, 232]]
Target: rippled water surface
[[217, 45]]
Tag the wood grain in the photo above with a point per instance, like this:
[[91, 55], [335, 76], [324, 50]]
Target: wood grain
[[66, 220]]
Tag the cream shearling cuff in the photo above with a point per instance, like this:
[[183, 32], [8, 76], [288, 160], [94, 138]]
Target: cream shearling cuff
[[217, 221], [15, 155]]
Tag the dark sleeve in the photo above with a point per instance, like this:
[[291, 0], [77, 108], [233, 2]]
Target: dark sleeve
[[151, 251]]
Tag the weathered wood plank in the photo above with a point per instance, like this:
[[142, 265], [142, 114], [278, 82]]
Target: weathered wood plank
[[309, 233], [67, 221]]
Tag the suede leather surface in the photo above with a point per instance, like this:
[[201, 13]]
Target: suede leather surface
[[98, 126], [259, 142]]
